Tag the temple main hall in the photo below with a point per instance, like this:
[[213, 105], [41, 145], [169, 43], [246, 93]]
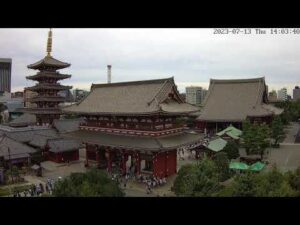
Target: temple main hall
[[134, 126]]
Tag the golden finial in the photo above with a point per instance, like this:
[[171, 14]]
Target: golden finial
[[49, 43]]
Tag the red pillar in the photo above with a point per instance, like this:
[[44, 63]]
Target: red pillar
[[97, 159], [109, 162], [86, 155], [138, 163], [123, 164]]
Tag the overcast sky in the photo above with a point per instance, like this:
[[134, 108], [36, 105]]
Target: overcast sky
[[192, 56]]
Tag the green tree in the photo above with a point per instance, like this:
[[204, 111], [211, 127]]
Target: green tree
[[293, 179], [232, 150], [207, 184], [199, 180], [244, 185], [273, 184], [93, 183], [277, 132], [255, 138], [185, 180], [222, 164]]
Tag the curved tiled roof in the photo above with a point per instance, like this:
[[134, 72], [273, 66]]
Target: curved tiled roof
[[138, 97], [17, 149], [234, 100], [135, 142], [49, 61]]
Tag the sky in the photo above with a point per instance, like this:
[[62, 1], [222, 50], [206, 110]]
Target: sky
[[191, 56]]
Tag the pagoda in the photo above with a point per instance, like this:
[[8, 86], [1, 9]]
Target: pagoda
[[47, 99]]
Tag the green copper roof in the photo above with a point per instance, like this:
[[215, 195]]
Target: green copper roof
[[238, 166], [231, 131], [217, 144], [258, 166]]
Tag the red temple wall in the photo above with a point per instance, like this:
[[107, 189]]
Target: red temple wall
[[60, 157], [165, 164]]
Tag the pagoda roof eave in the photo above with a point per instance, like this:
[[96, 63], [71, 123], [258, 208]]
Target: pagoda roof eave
[[48, 87], [56, 76], [49, 61]]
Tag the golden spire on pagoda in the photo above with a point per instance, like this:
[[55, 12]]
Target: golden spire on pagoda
[[49, 43]]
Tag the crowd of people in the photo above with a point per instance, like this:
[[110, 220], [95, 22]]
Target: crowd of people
[[150, 181], [36, 190]]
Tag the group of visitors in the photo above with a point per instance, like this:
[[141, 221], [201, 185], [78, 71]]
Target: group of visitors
[[153, 182], [36, 190]]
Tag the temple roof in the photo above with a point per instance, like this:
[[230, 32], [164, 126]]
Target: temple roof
[[63, 145], [67, 125], [47, 99], [17, 149], [138, 97], [26, 134], [235, 100], [136, 142], [49, 61], [40, 140], [24, 120], [41, 110], [48, 87], [47, 74]]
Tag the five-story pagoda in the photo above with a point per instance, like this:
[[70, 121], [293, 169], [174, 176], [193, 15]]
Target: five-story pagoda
[[47, 99]]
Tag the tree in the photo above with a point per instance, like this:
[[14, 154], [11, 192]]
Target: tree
[[222, 163], [244, 185], [199, 180], [293, 179], [277, 132], [273, 184], [207, 184], [232, 150], [255, 138], [185, 180], [93, 183]]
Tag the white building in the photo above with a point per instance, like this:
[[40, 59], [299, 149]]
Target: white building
[[195, 95], [282, 94]]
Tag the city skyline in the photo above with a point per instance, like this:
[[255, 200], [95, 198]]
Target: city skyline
[[192, 56]]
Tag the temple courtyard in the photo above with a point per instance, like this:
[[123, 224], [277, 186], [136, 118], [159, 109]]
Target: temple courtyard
[[286, 158]]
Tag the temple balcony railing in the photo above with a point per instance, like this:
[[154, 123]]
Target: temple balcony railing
[[128, 126], [134, 132]]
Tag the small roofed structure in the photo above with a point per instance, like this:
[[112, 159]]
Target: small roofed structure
[[233, 101], [258, 166], [14, 152], [63, 150], [217, 145], [230, 132], [238, 166]]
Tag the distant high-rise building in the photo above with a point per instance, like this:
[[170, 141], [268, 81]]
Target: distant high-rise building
[[195, 95], [5, 75], [296, 93], [282, 94]]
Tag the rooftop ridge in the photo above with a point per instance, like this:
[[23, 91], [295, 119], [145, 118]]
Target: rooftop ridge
[[131, 83], [249, 80]]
